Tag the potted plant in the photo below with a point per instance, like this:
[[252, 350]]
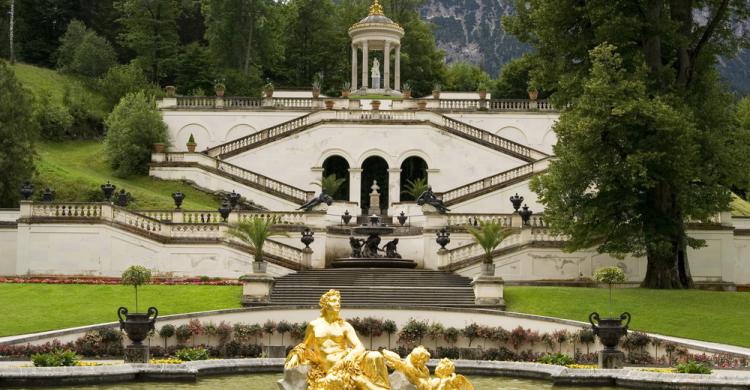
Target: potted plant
[[375, 104], [406, 91], [421, 104], [489, 235], [416, 187], [330, 184], [609, 329], [532, 90], [316, 88], [346, 89], [268, 89], [255, 232], [436, 88], [329, 104], [191, 144], [219, 88], [170, 91], [137, 325], [482, 89], [160, 147]]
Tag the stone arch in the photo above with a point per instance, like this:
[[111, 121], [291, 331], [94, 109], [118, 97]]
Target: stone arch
[[413, 153], [200, 134], [375, 152], [412, 168], [374, 167], [239, 131], [514, 134], [336, 152], [549, 140], [339, 166]]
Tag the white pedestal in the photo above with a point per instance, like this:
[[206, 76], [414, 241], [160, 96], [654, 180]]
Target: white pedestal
[[256, 289], [488, 290]]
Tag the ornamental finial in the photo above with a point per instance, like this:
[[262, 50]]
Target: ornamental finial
[[376, 8]]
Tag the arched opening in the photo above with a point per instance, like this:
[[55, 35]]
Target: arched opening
[[338, 166], [412, 169], [374, 168]]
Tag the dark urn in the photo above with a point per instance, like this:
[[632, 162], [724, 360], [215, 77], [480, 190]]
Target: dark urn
[[346, 218], [137, 325], [234, 199], [307, 237], [443, 238], [610, 330], [525, 214], [27, 189], [516, 201], [402, 218], [122, 198], [48, 195], [178, 197], [108, 189], [224, 210]]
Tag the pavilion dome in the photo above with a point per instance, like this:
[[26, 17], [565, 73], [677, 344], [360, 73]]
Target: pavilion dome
[[376, 19]]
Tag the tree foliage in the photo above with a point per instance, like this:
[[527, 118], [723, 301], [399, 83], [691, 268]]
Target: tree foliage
[[489, 235], [123, 79], [255, 232], [17, 134], [462, 76], [133, 127], [650, 140], [83, 52]]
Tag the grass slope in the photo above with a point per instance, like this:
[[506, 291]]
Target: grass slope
[[40, 307], [740, 207], [702, 315], [76, 169], [38, 80]]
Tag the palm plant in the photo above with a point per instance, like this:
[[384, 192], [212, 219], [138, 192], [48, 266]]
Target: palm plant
[[255, 232], [330, 184], [415, 187], [489, 235]]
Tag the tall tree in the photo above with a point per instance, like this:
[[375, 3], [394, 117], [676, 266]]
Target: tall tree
[[17, 134], [39, 26], [150, 30], [665, 50]]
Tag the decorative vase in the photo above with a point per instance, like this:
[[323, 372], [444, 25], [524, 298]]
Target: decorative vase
[[220, 92], [170, 90], [159, 147], [407, 94], [482, 95], [191, 146], [533, 94], [421, 104], [137, 325], [315, 93], [436, 94], [268, 92], [375, 104], [609, 330], [345, 93], [329, 104]]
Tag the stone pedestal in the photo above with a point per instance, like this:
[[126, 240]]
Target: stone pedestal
[[295, 378], [488, 290], [374, 199], [611, 359], [256, 289], [307, 257], [136, 354], [488, 269]]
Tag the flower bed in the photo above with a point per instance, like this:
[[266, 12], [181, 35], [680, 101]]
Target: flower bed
[[102, 280]]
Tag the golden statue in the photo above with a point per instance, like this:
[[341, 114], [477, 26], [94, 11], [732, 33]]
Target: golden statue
[[376, 8], [337, 360]]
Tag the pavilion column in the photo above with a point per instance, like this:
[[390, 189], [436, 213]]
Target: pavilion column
[[354, 67], [365, 65], [355, 185], [397, 80], [387, 66], [394, 185]]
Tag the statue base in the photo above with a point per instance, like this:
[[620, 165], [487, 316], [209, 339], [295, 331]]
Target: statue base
[[295, 378], [375, 91], [136, 354], [611, 359], [373, 262]]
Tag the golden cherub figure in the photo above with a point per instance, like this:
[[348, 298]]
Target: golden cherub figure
[[414, 367], [447, 379], [337, 359]]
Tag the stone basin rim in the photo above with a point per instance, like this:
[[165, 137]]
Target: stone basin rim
[[191, 371]]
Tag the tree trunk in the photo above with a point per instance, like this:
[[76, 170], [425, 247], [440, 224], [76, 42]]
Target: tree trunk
[[652, 36], [668, 270], [681, 14], [249, 46]]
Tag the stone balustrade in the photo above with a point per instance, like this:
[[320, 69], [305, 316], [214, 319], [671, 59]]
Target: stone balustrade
[[474, 219], [294, 103]]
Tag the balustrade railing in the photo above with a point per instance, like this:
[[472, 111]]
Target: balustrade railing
[[242, 102], [476, 219], [488, 182], [252, 139], [66, 210], [201, 217], [263, 181], [196, 102], [376, 115], [159, 215], [460, 104], [493, 139], [138, 221], [193, 230], [279, 217], [293, 102]]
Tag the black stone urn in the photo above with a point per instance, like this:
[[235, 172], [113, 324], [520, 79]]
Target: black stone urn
[[610, 330], [178, 197], [402, 218], [443, 238], [137, 325], [27, 189], [224, 210], [346, 218], [307, 237]]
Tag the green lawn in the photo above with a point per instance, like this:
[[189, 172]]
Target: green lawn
[[702, 315], [38, 307], [38, 79], [740, 207], [76, 169]]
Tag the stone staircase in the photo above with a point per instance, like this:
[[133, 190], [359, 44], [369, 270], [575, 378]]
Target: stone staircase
[[375, 287]]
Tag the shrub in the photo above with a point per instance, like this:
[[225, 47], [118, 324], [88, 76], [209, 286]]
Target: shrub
[[389, 327], [56, 358], [191, 354], [166, 332], [223, 332], [693, 367], [136, 275], [242, 332], [557, 359], [133, 127], [84, 52], [268, 328], [283, 328], [450, 335], [471, 332], [88, 118], [298, 331], [501, 353], [123, 79], [517, 337], [183, 333], [412, 333], [53, 119]]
